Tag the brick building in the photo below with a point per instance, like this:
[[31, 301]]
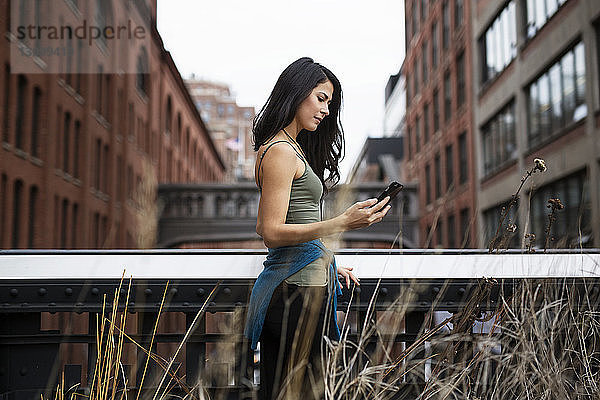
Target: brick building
[[230, 126], [439, 120], [83, 145], [536, 74]]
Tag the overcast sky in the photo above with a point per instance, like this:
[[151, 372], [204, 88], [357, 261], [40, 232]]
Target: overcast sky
[[248, 43]]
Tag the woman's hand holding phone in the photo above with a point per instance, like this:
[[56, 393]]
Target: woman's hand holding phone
[[364, 213]]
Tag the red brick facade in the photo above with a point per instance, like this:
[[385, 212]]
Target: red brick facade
[[443, 149], [81, 153]]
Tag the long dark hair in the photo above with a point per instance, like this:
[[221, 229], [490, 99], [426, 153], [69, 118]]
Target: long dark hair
[[324, 147]]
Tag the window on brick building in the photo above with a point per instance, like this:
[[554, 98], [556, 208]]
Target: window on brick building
[[458, 13], [3, 210], [66, 143], [460, 79], [424, 9], [462, 158], [75, 226], [64, 223], [99, 89], [434, 44], [427, 184], [438, 176], [36, 123], [416, 78], [32, 216], [106, 170], [439, 230], [426, 123], [451, 234], [409, 142], [415, 18], [491, 219], [445, 25], [449, 167], [97, 163], [465, 227], [6, 105], [76, 148], [143, 72], [21, 112], [447, 97], [16, 213], [169, 116], [436, 111], [418, 134], [424, 63]]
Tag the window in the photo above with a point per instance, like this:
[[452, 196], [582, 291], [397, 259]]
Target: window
[[74, 226], [409, 142], [498, 45], [447, 97], [458, 13], [7, 101], [426, 123], [462, 158], [17, 203], [439, 230], [424, 64], [66, 143], [143, 72], [105, 169], [424, 9], [460, 79], [451, 231], [97, 163], [491, 219], [31, 220], [3, 210], [427, 184], [438, 176], [415, 19], [499, 140], [539, 12], [465, 224], [36, 115], [21, 101], [418, 133], [408, 91], [445, 25], [557, 98], [416, 78], [449, 167], [168, 117], [76, 148], [434, 44], [99, 89], [436, 111], [574, 194]]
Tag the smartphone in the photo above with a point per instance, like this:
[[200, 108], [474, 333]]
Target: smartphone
[[392, 190]]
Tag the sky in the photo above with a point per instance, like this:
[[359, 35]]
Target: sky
[[247, 44]]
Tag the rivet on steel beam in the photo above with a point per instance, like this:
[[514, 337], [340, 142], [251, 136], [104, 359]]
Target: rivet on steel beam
[[23, 371], [461, 291], [68, 291], [435, 290], [52, 304], [42, 291], [357, 289], [79, 305], [186, 304], [200, 292], [95, 291], [238, 304], [131, 304], [14, 292], [227, 291], [148, 292], [383, 291], [174, 291], [123, 292], [24, 304]]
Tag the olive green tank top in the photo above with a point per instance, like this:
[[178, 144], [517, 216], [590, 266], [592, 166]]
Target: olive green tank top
[[304, 207]]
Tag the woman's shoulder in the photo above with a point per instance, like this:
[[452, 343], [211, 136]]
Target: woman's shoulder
[[277, 149]]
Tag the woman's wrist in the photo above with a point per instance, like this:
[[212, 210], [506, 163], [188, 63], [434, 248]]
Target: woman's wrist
[[341, 223]]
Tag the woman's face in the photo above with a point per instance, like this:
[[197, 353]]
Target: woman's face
[[315, 107]]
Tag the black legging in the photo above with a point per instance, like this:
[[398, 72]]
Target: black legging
[[291, 339]]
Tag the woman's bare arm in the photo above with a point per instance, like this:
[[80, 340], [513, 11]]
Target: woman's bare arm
[[279, 167]]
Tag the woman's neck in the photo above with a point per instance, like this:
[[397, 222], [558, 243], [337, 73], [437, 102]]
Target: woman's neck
[[292, 130]]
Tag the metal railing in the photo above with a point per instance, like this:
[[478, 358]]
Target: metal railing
[[49, 302]]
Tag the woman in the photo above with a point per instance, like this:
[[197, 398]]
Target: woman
[[299, 139]]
